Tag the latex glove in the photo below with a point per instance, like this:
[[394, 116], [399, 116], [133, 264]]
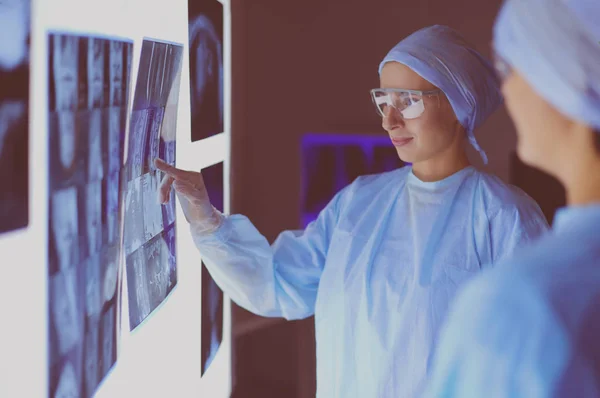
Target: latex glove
[[192, 194]]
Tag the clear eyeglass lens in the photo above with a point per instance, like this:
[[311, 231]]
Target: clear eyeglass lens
[[409, 105]]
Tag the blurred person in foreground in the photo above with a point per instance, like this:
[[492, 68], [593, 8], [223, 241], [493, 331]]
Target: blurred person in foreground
[[530, 327]]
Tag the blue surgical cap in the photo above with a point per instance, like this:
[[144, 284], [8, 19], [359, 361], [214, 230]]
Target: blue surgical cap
[[440, 55], [555, 45]]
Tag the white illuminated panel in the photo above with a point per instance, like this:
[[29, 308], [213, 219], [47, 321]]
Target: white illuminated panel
[[162, 356]]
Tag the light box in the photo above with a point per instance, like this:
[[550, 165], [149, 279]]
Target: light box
[[162, 355]]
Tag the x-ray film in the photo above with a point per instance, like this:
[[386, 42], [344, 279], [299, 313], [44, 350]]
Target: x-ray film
[[111, 207], [14, 98], [151, 275], [134, 217], [149, 233], [88, 81], [212, 296], [68, 382], [90, 353], [206, 67], [64, 229], [93, 288], [153, 222]]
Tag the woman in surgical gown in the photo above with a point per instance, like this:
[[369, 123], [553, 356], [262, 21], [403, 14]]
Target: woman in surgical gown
[[530, 328], [384, 258]]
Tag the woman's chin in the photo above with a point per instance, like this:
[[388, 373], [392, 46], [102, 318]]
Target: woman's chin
[[406, 156]]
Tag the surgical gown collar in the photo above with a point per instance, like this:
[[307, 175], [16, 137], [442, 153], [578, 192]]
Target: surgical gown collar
[[413, 180], [571, 217]]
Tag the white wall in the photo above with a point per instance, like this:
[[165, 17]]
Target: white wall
[[162, 356]]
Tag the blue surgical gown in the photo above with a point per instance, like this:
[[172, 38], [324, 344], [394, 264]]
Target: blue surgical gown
[[530, 328], [377, 269]]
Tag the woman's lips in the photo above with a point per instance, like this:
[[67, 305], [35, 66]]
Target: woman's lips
[[401, 141]]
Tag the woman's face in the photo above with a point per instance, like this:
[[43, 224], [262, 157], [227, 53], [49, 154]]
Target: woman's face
[[541, 128], [435, 132]]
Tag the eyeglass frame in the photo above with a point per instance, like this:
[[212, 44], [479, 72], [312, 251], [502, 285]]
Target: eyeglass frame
[[422, 93]]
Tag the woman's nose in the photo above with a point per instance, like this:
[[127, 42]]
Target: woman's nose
[[392, 119]]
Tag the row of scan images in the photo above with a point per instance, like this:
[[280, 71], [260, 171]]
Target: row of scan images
[[92, 193], [89, 93]]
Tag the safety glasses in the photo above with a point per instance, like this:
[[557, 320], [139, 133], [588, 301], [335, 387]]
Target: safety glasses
[[409, 103]]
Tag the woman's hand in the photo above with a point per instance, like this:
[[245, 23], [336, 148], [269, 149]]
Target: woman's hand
[[193, 196]]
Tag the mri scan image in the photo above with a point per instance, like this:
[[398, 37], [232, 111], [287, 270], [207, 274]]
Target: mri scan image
[[214, 180], [169, 238], [153, 275], [114, 140], [93, 216], [10, 112], [116, 58], [151, 269], [168, 210], [153, 224], [87, 87], [66, 138], [14, 115], [68, 166], [139, 295], [68, 384], [64, 227], [65, 56], [66, 315], [108, 337], [111, 193], [212, 319], [111, 274], [206, 67], [95, 131], [91, 368], [157, 262], [154, 136], [169, 148], [134, 214], [212, 296], [93, 288], [137, 141], [95, 73]]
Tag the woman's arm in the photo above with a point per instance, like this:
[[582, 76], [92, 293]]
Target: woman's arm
[[276, 281]]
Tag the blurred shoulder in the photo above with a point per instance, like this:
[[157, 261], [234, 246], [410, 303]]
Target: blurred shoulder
[[502, 199]]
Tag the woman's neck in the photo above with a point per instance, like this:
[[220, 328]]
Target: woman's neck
[[579, 171], [440, 167], [583, 188]]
